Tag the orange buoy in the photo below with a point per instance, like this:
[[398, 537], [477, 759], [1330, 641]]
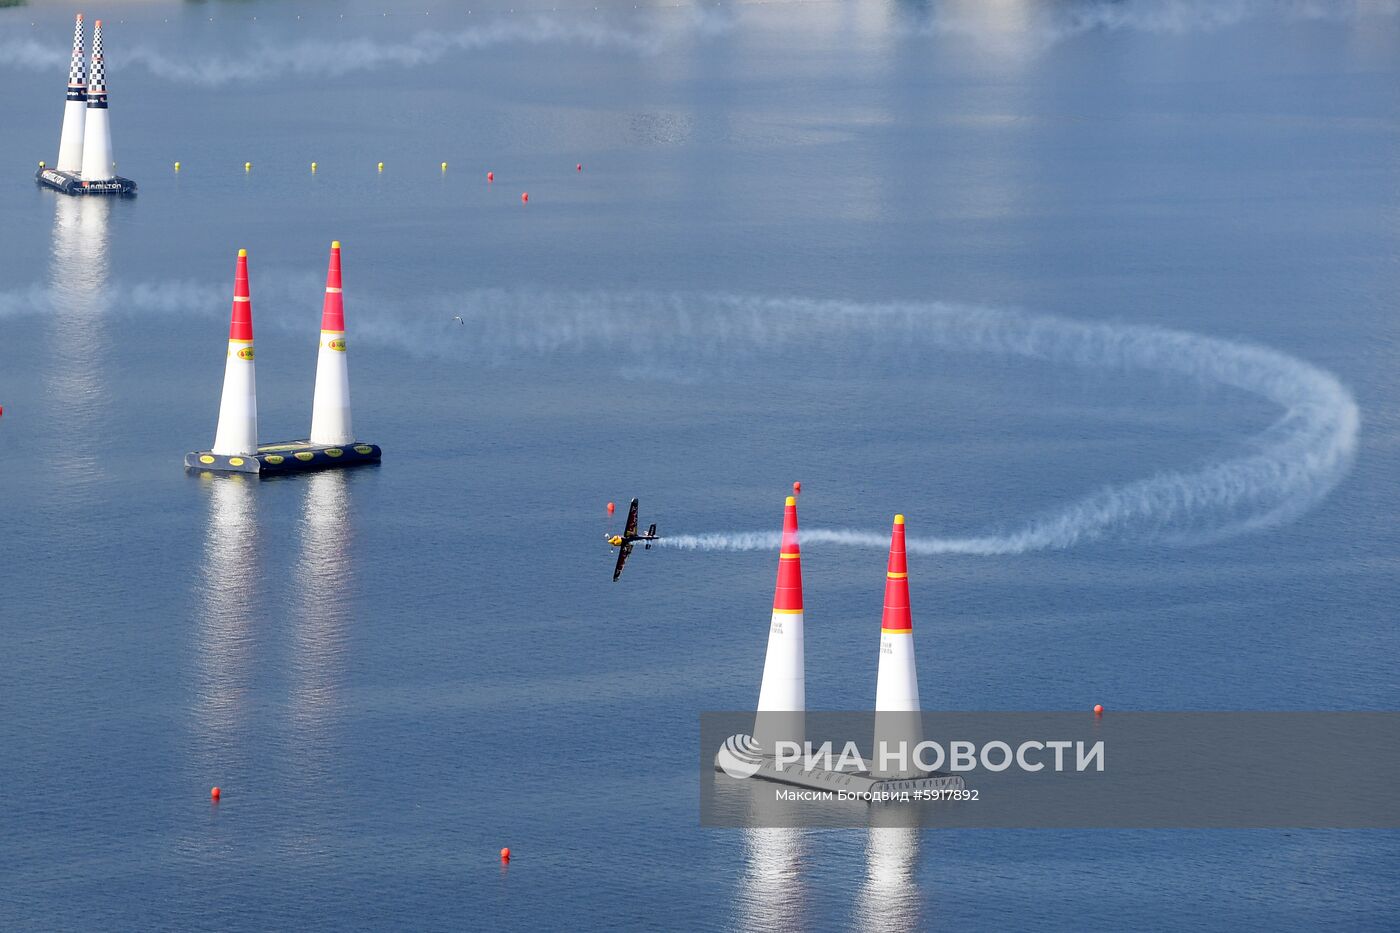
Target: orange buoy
[[797, 489], [213, 793], [611, 506], [490, 176], [525, 198], [505, 855], [1098, 709]]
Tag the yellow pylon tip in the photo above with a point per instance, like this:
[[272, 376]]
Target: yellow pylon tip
[[899, 519], [242, 254], [335, 244], [791, 500]]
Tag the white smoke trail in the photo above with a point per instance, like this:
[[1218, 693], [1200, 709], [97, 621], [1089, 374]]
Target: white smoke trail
[[1045, 25], [1292, 464], [333, 58], [653, 30]]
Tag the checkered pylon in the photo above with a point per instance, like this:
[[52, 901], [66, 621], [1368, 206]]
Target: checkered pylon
[[98, 85], [76, 81]]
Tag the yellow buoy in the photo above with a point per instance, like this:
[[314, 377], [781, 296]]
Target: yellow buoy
[[444, 166], [247, 166], [381, 166], [313, 166], [177, 166], [42, 165]]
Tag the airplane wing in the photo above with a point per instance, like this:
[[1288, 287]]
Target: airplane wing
[[631, 521], [622, 555]]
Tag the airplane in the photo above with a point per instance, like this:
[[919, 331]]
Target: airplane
[[629, 536]]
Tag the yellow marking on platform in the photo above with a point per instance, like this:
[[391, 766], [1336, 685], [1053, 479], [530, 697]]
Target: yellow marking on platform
[[206, 459], [305, 455], [235, 461], [274, 459], [334, 452], [363, 449]]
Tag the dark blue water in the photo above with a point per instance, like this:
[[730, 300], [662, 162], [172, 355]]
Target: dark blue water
[[393, 672]]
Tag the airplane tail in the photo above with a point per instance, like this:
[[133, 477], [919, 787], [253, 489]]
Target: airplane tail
[[651, 533]]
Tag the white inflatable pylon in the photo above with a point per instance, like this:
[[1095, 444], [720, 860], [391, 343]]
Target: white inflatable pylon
[[782, 700], [897, 725], [97, 132], [330, 407], [237, 435], [70, 143]]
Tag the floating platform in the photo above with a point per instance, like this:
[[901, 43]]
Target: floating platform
[[286, 457], [70, 183]]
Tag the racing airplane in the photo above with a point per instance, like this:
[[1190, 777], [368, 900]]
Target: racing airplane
[[629, 536]]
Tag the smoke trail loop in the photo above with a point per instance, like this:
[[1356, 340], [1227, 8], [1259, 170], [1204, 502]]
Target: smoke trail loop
[[1288, 468]]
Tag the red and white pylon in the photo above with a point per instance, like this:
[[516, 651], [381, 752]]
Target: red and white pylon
[[70, 142], [97, 132], [782, 700], [330, 407], [237, 435], [897, 684]]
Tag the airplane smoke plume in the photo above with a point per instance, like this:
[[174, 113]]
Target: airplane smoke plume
[[1290, 466], [1296, 461], [652, 31], [1038, 25], [335, 57]]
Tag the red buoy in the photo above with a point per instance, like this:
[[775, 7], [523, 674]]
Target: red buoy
[[490, 176], [1098, 709], [505, 855], [213, 793], [525, 198], [579, 167], [611, 507], [797, 489]]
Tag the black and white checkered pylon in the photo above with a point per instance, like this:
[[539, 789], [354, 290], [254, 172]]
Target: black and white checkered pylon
[[98, 74], [75, 70]]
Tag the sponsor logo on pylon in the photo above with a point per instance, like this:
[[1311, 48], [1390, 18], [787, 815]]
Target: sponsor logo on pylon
[[739, 757], [246, 353], [337, 344]]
